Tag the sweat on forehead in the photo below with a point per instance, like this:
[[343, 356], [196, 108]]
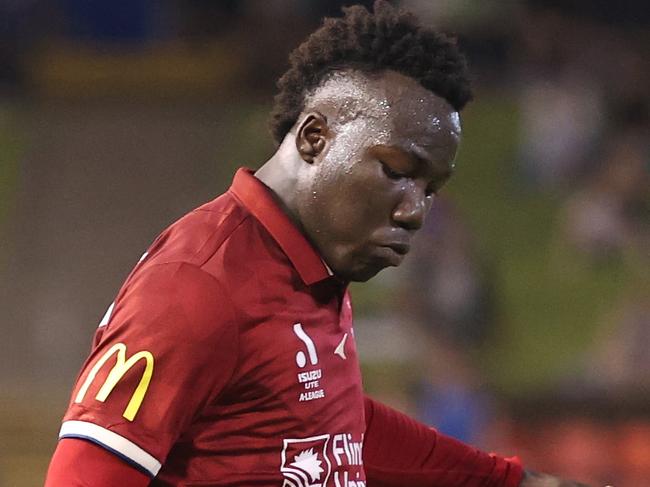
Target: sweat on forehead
[[346, 95]]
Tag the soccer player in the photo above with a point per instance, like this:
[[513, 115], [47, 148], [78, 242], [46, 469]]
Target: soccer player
[[228, 357]]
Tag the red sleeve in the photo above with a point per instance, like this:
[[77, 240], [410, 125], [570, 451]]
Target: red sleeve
[[145, 378], [398, 450], [79, 463]]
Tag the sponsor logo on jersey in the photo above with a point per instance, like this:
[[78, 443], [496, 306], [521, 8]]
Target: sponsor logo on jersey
[[340, 348], [301, 360], [309, 381], [305, 462], [119, 369], [323, 461], [347, 454]]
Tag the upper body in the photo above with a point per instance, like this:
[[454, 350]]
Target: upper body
[[228, 357], [234, 321]]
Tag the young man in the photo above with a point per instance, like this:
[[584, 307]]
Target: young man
[[228, 357]]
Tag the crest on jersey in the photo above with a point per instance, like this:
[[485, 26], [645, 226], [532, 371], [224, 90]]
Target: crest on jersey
[[305, 463]]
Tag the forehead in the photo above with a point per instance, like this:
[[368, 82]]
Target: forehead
[[398, 108]]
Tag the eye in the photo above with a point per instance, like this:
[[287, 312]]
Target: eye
[[388, 171], [434, 187]]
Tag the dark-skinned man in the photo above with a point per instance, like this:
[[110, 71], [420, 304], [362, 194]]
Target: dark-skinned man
[[228, 357]]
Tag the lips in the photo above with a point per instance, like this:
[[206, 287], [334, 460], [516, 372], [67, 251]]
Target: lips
[[401, 248], [392, 252]]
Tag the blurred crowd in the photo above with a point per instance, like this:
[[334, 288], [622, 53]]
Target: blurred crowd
[[580, 82], [577, 77]]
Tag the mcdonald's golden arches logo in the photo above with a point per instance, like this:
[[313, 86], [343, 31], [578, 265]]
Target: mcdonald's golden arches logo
[[121, 367]]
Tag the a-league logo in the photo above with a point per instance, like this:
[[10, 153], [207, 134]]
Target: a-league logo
[[305, 462]]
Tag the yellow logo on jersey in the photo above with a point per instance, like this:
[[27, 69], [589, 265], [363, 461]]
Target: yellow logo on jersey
[[120, 368]]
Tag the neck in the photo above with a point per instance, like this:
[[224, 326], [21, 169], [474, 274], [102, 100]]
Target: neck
[[280, 175]]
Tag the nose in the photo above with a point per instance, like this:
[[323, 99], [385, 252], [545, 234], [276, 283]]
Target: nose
[[412, 209]]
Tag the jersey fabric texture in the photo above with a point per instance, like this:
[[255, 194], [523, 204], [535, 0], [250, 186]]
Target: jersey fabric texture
[[228, 359], [228, 356]]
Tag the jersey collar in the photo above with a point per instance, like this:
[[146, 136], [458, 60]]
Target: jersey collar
[[257, 198]]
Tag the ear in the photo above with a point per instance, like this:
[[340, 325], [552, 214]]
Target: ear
[[311, 137]]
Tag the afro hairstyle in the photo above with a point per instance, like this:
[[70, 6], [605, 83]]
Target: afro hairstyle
[[386, 38]]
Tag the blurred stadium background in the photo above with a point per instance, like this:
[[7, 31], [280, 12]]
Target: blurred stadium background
[[522, 321]]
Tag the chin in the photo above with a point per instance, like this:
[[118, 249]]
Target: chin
[[363, 274], [362, 267]]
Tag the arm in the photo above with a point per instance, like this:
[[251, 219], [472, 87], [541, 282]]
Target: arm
[[79, 463], [400, 451], [145, 378]]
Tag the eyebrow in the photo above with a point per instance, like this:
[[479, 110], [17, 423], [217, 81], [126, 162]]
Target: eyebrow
[[422, 157]]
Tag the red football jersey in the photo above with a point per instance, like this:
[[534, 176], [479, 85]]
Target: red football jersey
[[228, 356]]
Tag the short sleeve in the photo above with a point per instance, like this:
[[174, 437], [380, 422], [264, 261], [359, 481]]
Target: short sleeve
[[167, 348]]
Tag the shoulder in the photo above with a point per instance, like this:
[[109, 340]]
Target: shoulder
[[174, 300], [196, 237], [221, 237]]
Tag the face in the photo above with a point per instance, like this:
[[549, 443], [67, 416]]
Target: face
[[387, 148]]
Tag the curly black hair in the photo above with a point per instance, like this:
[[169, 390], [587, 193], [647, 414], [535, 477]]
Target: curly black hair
[[386, 38]]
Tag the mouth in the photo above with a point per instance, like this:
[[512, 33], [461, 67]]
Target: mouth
[[401, 248], [393, 252]]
